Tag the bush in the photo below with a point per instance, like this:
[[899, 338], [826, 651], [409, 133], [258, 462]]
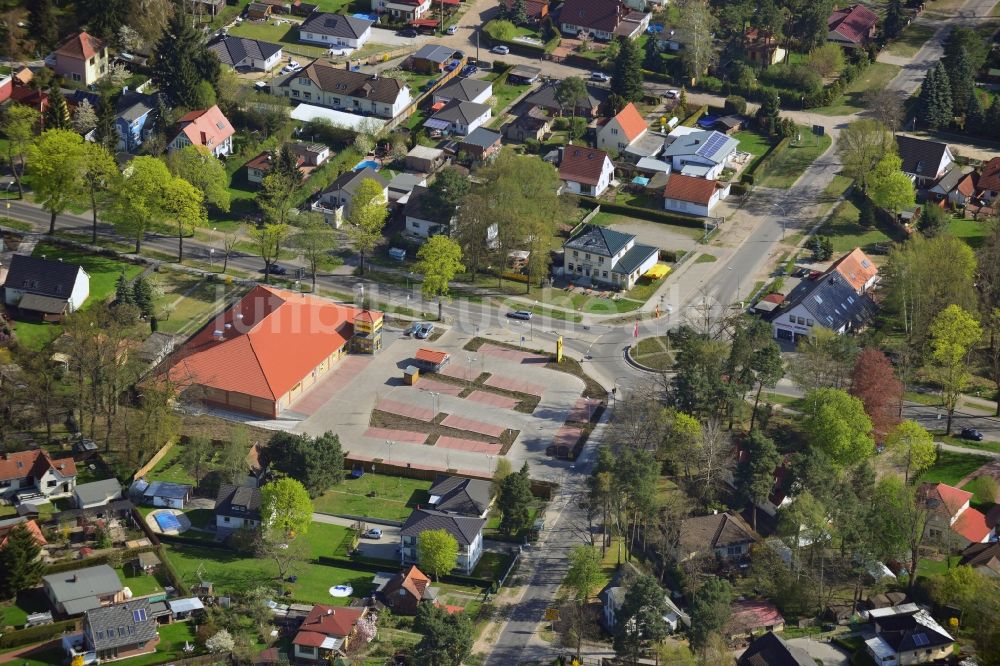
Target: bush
[[801, 78], [500, 29], [692, 120], [736, 104], [36, 634], [644, 213]]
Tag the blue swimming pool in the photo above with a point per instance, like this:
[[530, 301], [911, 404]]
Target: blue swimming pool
[[366, 163], [167, 521]]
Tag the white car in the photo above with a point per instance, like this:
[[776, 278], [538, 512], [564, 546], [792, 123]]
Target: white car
[[501, 50], [374, 533], [672, 94], [599, 76], [452, 29], [295, 64]]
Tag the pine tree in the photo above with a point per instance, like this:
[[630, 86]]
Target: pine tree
[[993, 119], [105, 132], [962, 80], [518, 13], [975, 114], [20, 565], [894, 20], [626, 79], [287, 166], [652, 60], [178, 58], [42, 26], [935, 98], [103, 17], [123, 291], [142, 296], [57, 113]]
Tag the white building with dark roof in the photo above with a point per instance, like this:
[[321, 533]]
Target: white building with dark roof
[[703, 154], [323, 84], [245, 53], [335, 30], [467, 530], [606, 256], [47, 288]]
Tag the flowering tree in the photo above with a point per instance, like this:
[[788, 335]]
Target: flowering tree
[[222, 641], [367, 627]]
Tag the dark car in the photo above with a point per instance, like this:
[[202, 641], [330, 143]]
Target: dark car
[[275, 270], [973, 434], [519, 314], [409, 32], [468, 71]]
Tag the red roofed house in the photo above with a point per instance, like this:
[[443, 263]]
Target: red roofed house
[[949, 516], [748, 618], [535, 9], [33, 528], [616, 134], [82, 58], [852, 26], [204, 127], [30, 473], [691, 195], [989, 180], [327, 631], [857, 270], [602, 19], [586, 170], [267, 350], [405, 591]]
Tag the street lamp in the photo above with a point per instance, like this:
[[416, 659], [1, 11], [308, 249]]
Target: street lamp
[[784, 214], [470, 359], [211, 256], [739, 285], [434, 402]]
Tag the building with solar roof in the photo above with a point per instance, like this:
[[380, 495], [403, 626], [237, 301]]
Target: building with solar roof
[[119, 631], [702, 154]]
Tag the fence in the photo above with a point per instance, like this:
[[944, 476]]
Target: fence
[[154, 461], [415, 104]]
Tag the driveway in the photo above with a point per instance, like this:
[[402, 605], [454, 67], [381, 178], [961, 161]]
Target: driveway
[[390, 37], [828, 653]]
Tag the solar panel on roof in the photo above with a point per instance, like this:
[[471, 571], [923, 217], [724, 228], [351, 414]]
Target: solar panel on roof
[[921, 640], [712, 144]]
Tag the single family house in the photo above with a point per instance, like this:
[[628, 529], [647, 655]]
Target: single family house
[[723, 536], [852, 27], [404, 592], [481, 144], [467, 530], [692, 195], [120, 631], [461, 495], [604, 256], [703, 154], [950, 519], [324, 84], [326, 632], [464, 90], [245, 53], [402, 10], [237, 507], [45, 288], [79, 590], [335, 30], [602, 19], [338, 196], [586, 171], [908, 638], [81, 58], [207, 128], [925, 162], [458, 117], [30, 474], [617, 133]]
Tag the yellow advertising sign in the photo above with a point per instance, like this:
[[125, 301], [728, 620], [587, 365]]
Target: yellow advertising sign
[[559, 349]]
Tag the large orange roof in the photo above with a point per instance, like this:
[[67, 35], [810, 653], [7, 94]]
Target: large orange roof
[[274, 338], [631, 121], [856, 268], [971, 524], [81, 46], [206, 127]]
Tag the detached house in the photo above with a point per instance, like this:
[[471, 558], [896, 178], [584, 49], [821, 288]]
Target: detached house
[[769, 649], [82, 58], [724, 536], [335, 30], [852, 27], [326, 632], [237, 507], [703, 154], [406, 591], [245, 53], [467, 530], [618, 133], [338, 196], [989, 180], [461, 495], [465, 90], [120, 631], [458, 117], [586, 171], [365, 94], [134, 114], [608, 257], [912, 637], [80, 590], [207, 128], [691, 195], [44, 288], [925, 162], [403, 10], [32, 474], [602, 19], [949, 516]]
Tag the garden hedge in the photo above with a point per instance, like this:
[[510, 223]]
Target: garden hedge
[[644, 213], [122, 556], [454, 579], [693, 119], [42, 632], [750, 175]]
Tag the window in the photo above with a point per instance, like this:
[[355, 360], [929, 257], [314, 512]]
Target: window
[[307, 95], [77, 77], [325, 38], [600, 260], [605, 275], [225, 519], [92, 61], [295, 93], [575, 253], [569, 267], [809, 322], [586, 256], [51, 484], [614, 130]]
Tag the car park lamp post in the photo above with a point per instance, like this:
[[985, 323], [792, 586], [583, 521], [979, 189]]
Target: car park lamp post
[[784, 215]]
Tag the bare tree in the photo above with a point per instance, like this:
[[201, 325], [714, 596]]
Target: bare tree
[[716, 454], [886, 106]]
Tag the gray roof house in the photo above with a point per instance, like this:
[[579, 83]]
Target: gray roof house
[[244, 52], [467, 530], [607, 256], [465, 90], [922, 160], [459, 117], [80, 590], [328, 29], [461, 495], [165, 493], [237, 506], [338, 196], [96, 493], [702, 154], [47, 287], [121, 630], [431, 56]]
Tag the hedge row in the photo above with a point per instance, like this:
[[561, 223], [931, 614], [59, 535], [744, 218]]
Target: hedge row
[[72, 565], [693, 119], [749, 176], [42, 632], [454, 579], [644, 213]]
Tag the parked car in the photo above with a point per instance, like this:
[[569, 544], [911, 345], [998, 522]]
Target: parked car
[[275, 270], [452, 29], [411, 329], [452, 65], [501, 50], [373, 533], [519, 314], [397, 253], [672, 94], [424, 331], [468, 71], [973, 434], [599, 76], [409, 32], [458, 55], [294, 63]]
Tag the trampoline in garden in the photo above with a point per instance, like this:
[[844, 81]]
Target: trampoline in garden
[[341, 591], [167, 521]]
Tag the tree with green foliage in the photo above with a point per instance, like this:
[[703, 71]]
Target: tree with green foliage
[[698, 387], [571, 93], [183, 204], [268, 239], [768, 112], [366, 218], [501, 29], [198, 166], [836, 423], [861, 146], [21, 564], [639, 624], [827, 60], [57, 116], [901, 520], [43, 27], [518, 13], [103, 18], [962, 38], [182, 63], [755, 472], [285, 508], [315, 239], [962, 79], [84, 117], [447, 638], [123, 291], [318, 462], [975, 114], [196, 454], [439, 261], [584, 571], [710, 610], [18, 125], [443, 196], [514, 502], [895, 20], [754, 362], [105, 132], [933, 221], [437, 552], [138, 202], [142, 296], [890, 188], [652, 59], [953, 335], [696, 26], [866, 214], [935, 106], [56, 159], [912, 447], [626, 77]]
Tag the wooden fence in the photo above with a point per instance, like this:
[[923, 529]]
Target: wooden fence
[[154, 461]]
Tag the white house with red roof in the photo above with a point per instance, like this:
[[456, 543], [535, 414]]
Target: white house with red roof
[[949, 516], [691, 195], [269, 349], [82, 58], [208, 128], [27, 474], [602, 19], [326, 632], [404, 10], [584, 170], [851, 26], [618, 133]]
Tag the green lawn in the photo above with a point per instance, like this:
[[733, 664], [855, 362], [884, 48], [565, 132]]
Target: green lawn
[[188, 301], [971, 231], [754, 143], [171, 468], [374, 496], [876, 76], [784, 169], [141, 584], [928, 567], [911, 40], [951, 468], [231, 572], [654, 353], [171, 647], [504, 94], [845, 232], [103, 271], [287, 34]]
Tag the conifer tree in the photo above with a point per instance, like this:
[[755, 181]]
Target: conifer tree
[[893, 23], [975, 114], [962, 81], [57, 113], [626, 79], [42, 26], [935, 107], [105, 133], [20, 565], [182, 63]]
